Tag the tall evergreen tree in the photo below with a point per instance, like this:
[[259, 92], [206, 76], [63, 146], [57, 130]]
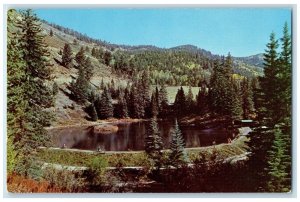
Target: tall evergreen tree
[[180, 102], [190, 100], [80, 57], [202, 100], [89, 69], [163, 101], [94, 52], [92, 112], [51, 32], [144, 93], [285, 73], [260, 143], [16, 94], [87, 49], [106, 107], [80, 88], [153, 104], [247, 99], [67, 56], [275, 167], [107, 57], [153, 143], [223, 94], [280, 154], [158, 98], [138, 102], [121, 110], [35, 92], [218, 88], [102, 84], [279, 177], [178, 155], [235, 104], [269, 83]]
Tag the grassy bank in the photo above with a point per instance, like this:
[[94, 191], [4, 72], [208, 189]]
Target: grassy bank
[[77, 158]]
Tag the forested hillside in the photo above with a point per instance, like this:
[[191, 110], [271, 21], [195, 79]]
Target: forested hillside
[[185, 65], [172, 66]]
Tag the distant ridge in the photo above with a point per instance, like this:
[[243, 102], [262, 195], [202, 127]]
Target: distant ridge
[[254, 60]]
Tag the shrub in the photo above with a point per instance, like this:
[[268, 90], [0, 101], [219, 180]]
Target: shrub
[[66, 180]]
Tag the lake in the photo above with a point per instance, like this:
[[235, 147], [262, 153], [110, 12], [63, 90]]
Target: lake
[[130, 136]]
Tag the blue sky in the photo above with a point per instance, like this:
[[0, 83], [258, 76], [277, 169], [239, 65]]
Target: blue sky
[[241, 31]]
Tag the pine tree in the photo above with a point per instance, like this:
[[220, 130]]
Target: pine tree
[[16, 94], [280, 154], [144, 93], [94, 52], [163, 101], [153, 143], [55, 89], [112, 88], [34, 70], [106, 107], [154, 107], [75, 42], [269, 83], [202, 101], [89, 69], [235, 104], [121, 110], [87, 49], [247, 99], [223, 96], [102, 84], [67, 56], [137, 104], [260, 143], [218, 89], [80, 57], [279, 180], [127, 99], [228, 64], [51, 32], [178, 155], [107, 57], [180, 102], [92, 112], [286, 95], [80, 88], [190, 101], [285, 73], [273, 146], [158, 97], [255, 94]]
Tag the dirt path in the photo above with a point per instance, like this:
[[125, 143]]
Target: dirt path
[[232, 159]]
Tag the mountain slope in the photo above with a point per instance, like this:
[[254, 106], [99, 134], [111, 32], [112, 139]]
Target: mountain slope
[[255, 60], [68, 111]]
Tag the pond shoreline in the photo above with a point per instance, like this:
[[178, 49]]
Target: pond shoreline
[[96, 123], [71, 157], [138, 151], [127, 135]]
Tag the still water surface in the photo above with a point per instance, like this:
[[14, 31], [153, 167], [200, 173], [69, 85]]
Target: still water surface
[[130, 136]]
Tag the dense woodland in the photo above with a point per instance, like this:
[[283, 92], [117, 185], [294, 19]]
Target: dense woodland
[[225, 91]]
